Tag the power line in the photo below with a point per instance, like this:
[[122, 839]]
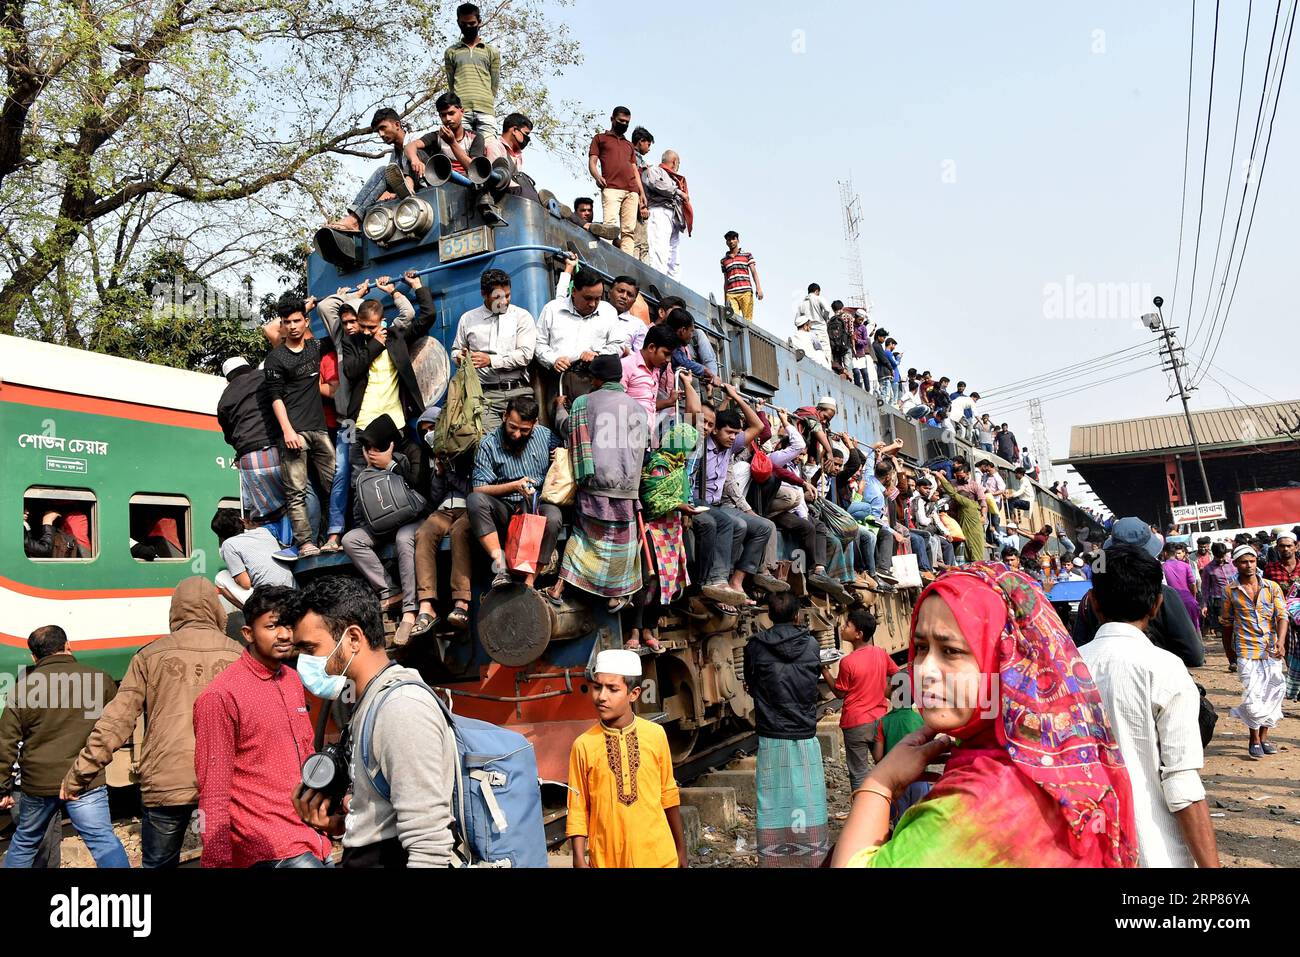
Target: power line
[[1227, 186], [1004, 410], [1009, 397], [1018, 384], [1187, 139], [1263, 164], [1205, 158]]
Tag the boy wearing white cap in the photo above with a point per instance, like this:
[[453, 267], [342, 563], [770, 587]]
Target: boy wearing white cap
[[623, 799], [1254, 619]]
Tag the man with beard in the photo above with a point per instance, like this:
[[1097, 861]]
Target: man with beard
[[612, 163], [473, 71], [509, 467], [247, 767]]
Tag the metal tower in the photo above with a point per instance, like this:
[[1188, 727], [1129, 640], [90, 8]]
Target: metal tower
[[852, 209], [1038, 440]]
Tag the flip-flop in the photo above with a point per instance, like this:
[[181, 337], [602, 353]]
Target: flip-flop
[[655, 646], [632, 644], [615, 606], [554, 599], [502, 579]]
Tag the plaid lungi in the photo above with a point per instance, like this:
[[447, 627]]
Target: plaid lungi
[[791, 783], [603, 558], [260, 486]]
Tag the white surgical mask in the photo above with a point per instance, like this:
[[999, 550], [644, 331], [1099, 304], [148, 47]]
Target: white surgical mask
[[311, 669]]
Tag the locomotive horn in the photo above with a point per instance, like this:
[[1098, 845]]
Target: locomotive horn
[[503, 172], [479, 170], [437, 170]]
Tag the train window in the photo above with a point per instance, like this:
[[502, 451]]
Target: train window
[[160, 527], [73, 515]]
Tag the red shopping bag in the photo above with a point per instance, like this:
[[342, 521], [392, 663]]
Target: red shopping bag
[[524, 540]]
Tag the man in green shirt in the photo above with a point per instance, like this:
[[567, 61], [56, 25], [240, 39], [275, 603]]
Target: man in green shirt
[[968, 515], [473, 70]]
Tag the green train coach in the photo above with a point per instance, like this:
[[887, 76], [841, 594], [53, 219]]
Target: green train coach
[[124, 452]]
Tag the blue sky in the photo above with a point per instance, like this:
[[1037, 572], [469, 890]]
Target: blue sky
[[998, 148]]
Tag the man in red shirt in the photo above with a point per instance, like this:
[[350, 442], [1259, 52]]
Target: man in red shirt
[[863, 683], [1285, 569], [251, 736], [612, 163]]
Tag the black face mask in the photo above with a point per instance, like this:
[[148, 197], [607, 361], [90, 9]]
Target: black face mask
[[619, 128], [469, 33]]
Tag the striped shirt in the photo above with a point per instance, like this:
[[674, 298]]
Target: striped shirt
[[736, 272], [474, 74], [1254, 625], [496, 465]]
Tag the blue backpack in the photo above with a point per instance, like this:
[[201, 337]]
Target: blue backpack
[[497, 802]]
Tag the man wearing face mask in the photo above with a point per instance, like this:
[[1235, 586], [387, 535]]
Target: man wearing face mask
[[612, 163], [500, 339], [339, 638], [473, 70]]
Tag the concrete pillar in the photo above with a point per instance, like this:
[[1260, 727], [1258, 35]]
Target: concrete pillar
[[716, 806]]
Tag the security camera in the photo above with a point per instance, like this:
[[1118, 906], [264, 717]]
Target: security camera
[[1152, 321]]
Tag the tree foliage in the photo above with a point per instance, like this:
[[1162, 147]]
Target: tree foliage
[[209, 135]]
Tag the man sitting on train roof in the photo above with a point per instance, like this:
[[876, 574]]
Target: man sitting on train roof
[[736, 541], [574, 329], [453, 139], [584, 216], [381, 379], [500, 338], [247, 551], [390, 181], [509, 466]]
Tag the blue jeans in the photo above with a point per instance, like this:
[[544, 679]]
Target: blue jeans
[[866, 546], [374, 187], [304, 860], [859, 510], [89, 814], [921, 548], [162, 832], [339, 490]]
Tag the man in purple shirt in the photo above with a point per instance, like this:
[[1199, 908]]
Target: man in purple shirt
[[727, 538], [1215, 579]]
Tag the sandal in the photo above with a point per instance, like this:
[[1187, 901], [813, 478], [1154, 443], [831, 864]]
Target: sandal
[[654, 645], [553, 598], [329, 548], [458, 618], [424, 622], [502, 579], [632, 644], [618, 604]]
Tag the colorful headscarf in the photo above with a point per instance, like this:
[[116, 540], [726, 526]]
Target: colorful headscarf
[[1051, 724], [663, 479]]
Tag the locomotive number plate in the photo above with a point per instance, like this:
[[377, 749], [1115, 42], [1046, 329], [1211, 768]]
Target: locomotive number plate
[[471, 242]]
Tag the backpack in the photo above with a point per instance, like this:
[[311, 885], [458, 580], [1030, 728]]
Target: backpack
[[460, 426], [386, 501], [838, 332], [497, 800]]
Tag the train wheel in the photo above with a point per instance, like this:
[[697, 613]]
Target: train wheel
[[677, 690]]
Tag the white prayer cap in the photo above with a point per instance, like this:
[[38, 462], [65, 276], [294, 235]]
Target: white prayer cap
[[618, 661], [233, 363], [1243, 550], [801, 320], [1282, 533], [827, 402], [1078, 563]]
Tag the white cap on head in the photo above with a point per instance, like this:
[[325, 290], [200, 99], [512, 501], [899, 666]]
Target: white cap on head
[[618, 661], [1078, 563], [1283, 534], [801, 321], [827, 402], [1243, 550], [233, 363]]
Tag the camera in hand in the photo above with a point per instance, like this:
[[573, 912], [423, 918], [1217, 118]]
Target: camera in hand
[[326, 771]]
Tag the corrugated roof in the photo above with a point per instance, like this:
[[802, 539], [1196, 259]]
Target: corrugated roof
[[1215, 428]]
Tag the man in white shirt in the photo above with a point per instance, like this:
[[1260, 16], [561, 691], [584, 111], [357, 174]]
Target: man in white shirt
[[803, 339], [631, 327], [1019, 495], [500, 339], [1153, 706], [818, 311], [574, 329]]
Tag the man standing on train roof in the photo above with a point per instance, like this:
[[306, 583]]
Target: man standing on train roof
[[819, 311], [247, 422], [1254, 618], [740, 282], [40, 734], [499, 338], [573, 330], [473, 71], [670, 212], [624, 806], [1005, 442], [163, 681], [389, 181], [293, 383], [612, 163]]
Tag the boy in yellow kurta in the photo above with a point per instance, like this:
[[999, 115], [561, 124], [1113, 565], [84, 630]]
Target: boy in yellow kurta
[[623, 800]]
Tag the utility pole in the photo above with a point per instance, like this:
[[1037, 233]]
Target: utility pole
[[851, 207], [1038, 439], [1173, 352]]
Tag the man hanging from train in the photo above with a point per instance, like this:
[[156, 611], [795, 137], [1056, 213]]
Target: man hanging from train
[[500, 338], [381, 378], [572, 330], [164, 679], [609, 432], [248, 552]]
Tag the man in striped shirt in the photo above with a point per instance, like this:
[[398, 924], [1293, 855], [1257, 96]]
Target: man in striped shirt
[[473, 70], [740, 277], [1254, 618]]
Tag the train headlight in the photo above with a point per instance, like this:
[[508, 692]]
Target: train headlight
[[379, 224], [414, 216]]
